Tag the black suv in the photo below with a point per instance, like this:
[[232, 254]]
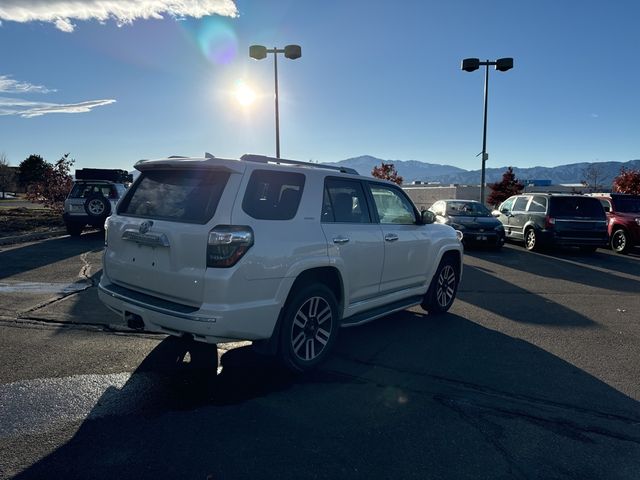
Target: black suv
[[546, 219]]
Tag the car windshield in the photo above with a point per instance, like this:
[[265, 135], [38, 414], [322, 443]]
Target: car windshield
[[627, 204], [467, 209]]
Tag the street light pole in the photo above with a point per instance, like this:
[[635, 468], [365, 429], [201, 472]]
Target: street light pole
[[469, 65], [484, 132], [290, 51], [275, 70]]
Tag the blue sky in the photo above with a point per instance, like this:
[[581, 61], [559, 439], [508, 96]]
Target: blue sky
[[376, 77]]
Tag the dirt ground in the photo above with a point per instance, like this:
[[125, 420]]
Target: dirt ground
[[21, 220]]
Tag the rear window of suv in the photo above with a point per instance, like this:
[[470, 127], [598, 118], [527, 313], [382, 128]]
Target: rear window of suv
[[584, 207], [188, 195]]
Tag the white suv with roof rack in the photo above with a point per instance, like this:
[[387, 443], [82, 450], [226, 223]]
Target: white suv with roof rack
[[279, 252]]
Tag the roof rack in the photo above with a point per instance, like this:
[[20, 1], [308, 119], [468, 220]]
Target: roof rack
[[251, 157]]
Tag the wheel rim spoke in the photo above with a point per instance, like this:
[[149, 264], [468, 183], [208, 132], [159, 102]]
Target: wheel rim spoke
[[308, 338], [446, 286]]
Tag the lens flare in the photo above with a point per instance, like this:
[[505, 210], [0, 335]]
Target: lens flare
[[244, 94], [218, 42]]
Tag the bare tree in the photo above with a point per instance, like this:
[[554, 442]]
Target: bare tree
[[7, 175], [593, 177]]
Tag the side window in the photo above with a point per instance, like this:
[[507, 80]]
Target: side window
[[520, 204], [273, 195], [538, 204], [344, 202], [507, 204], [392, 206]]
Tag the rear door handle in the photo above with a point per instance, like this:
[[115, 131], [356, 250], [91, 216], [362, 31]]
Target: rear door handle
[[391, 237], [340, 240]]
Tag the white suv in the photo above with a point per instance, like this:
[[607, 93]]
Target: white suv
[[279, 252]]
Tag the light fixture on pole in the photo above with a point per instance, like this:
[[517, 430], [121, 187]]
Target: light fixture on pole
[[469, 65], [291, 52]]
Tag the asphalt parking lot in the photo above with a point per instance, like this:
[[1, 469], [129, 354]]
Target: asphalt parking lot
[[532, 374]]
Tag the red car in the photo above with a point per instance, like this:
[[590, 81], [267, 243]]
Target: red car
[[623, 215]]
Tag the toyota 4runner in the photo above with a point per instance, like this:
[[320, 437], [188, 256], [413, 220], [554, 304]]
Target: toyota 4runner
[[279, 252]]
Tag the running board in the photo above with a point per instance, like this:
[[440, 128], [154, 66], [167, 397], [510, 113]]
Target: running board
[[369, 315]]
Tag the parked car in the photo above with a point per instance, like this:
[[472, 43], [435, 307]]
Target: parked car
[[473, 219], [549, 219], [93, 196], [623, 214], [279, 252]]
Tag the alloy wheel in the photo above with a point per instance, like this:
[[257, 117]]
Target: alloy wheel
[[446, 286], [311, 329], [619, 241], [96, 207]]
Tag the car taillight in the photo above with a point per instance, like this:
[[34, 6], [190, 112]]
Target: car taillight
[[227, 244], [549, 221]]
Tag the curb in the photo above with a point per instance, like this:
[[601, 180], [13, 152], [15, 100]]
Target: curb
[[29, 237]]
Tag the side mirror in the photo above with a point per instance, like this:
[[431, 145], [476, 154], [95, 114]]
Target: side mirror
[[427, 217], [496, 213]]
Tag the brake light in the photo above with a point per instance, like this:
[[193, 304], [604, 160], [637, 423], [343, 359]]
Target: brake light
[[549, 221], [227, 244]]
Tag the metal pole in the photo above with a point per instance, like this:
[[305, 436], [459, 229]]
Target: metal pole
[[275, 67], [484, 132]]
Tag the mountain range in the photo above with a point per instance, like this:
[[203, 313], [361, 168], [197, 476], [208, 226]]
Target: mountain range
[[413, 170]]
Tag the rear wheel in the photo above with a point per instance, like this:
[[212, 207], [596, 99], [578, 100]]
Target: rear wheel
[[310, 326], [620, 241], [444, 285], [531, 240]]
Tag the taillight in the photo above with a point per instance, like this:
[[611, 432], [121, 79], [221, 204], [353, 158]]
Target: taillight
[[227, 244], [549, 221]]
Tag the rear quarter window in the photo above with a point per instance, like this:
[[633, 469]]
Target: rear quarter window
[[188, 195], [273, 195]]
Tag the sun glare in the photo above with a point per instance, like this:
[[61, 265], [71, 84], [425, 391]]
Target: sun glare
[[244, 95]]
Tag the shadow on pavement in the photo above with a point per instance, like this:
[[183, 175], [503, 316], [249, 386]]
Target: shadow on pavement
[[502, 298], [407, 396], [32, 256], [578, 269]]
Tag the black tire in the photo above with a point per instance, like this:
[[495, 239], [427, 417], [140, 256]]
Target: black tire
[[443, 288], [620, 241], [531, 241], [74, 229], [309, 327], [97, 206]]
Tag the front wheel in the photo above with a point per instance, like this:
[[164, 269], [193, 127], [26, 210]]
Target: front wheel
[[444, 285], [310, 326], [620, 241]]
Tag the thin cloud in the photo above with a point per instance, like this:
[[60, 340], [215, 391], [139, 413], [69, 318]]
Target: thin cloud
[[9, 85], [62, 12], [29, 109]]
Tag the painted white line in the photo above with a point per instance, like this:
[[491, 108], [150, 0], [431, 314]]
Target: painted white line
[[37, 287]]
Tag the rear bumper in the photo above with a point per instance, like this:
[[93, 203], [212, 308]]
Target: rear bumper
[[558, 239], [209, 323]]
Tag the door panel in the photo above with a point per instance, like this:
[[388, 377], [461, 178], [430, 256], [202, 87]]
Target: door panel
[[353, 239], [406, 244]]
